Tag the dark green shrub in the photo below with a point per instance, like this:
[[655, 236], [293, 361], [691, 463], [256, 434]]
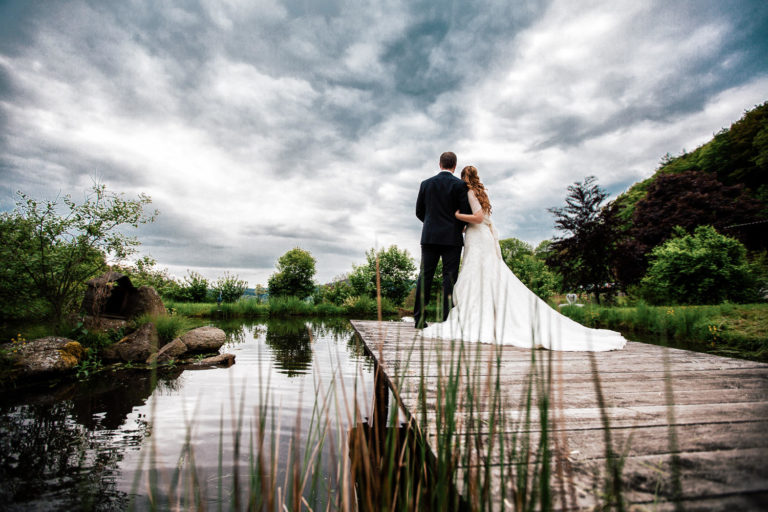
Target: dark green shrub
[[703, 268]]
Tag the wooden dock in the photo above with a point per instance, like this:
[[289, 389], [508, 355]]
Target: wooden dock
[[692, 428]]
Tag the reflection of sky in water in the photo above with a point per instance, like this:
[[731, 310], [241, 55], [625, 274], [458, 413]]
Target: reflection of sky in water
[[105, 429]]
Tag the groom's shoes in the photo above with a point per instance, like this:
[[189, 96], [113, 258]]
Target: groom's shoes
[[422, 325]]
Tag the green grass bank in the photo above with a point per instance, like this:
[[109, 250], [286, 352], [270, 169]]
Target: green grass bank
[[737, 330], [358, 307]]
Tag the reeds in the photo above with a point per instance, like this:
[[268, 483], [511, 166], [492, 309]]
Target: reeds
[[472, 443]]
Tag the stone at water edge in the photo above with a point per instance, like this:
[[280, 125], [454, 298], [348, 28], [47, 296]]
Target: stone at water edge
[[204, 339], [219, 360], [170, 351], [136, 347], [48, 355]]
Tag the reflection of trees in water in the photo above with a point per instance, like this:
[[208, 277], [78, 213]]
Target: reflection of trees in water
[[336, 328], [235, 330], [61, 450], [356, 347], [291, 344], [340, 330]]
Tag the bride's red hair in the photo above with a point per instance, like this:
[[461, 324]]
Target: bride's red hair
[[469, 175]]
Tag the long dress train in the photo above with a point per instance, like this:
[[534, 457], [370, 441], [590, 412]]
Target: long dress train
[[491, 305]]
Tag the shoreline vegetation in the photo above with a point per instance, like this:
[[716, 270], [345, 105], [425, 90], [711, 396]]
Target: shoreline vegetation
[[362, 306], [733, 330]]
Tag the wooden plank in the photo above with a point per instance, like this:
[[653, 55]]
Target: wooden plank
[[482, 399], [588, 444], [719, 417], [705, 477]]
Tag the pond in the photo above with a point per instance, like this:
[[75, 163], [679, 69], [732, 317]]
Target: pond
[[129, 439]]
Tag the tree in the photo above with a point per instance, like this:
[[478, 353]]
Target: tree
[[58, 252], [18, 296], [335, 292], [230, 287], [703, 268], [687, 199], [396, 269], [583, 255], [294, 276], [513, 249], [194, 288], [532, 271], [543, 250]]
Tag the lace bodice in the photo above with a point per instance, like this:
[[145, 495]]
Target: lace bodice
[[487, 224]]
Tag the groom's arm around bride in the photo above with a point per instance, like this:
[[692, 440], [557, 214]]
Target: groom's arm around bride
[[441, 234]]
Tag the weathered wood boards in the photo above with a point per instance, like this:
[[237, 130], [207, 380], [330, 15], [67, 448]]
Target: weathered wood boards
[[668, 411]]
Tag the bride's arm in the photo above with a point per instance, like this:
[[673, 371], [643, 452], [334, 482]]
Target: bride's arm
[[477, 211], [475, 218]]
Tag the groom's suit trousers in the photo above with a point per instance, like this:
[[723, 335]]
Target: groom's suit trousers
[[430, 255]]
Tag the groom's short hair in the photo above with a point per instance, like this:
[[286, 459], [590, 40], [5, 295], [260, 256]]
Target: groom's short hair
[[448, 160]]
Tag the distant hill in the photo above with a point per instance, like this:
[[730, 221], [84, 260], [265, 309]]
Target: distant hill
[[738, 155], [723, 183]]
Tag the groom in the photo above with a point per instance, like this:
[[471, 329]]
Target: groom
[[441, 236]]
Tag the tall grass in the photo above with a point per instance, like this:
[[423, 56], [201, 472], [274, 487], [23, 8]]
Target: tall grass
[[245, 308], [169, 327]]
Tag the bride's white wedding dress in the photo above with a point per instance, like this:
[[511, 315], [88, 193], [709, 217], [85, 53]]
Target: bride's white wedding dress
[[491, 305]]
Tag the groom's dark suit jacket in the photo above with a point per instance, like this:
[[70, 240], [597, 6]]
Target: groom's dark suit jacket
[[439, 198]]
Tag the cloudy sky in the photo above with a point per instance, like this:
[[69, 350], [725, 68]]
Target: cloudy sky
[[260, 125]]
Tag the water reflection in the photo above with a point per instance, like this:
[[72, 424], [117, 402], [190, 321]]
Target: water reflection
[[236, 330], [291, 344], [88, 444], [61, 450]]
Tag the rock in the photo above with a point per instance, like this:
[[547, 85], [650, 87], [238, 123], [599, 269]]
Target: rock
[[137, 346], [204, 339], [112, 295], [219, 360], [47, 355], [145, 300], [170, 351]]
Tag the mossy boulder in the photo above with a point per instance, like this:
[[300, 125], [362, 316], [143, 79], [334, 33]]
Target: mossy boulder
[[43, 356]]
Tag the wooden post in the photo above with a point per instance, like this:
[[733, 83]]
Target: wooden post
[[380, 410]]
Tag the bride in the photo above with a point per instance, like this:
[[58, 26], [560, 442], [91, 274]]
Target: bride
[[491, 305]]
